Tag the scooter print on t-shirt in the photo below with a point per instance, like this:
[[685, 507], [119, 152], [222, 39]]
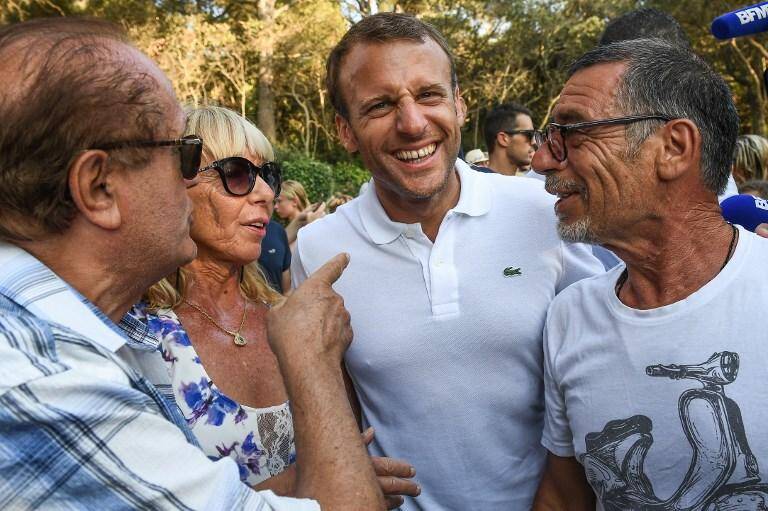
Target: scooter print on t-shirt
[[723, 473]]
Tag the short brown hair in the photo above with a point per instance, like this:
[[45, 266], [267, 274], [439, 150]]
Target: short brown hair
[[68, 92], [380, 28]]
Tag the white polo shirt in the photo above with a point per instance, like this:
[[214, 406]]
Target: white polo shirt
[[447, 355]]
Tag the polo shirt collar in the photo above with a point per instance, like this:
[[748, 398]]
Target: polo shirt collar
[[475, 197], [33, 286], [474, 200], [377, 224]]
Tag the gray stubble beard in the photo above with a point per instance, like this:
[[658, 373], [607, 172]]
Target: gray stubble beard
[[579, 231]]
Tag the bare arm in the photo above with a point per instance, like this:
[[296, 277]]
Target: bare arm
[[283, 484], [285, 279], [309, 215], [564, 487], [309, 334], [354, 403]]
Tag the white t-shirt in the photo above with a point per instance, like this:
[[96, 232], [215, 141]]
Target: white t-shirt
[[623, 398], [446, 358]]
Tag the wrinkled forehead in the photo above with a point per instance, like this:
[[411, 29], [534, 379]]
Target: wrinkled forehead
[[590, 94], [394, 63]]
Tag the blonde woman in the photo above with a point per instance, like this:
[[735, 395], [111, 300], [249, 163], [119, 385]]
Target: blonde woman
[[210, 316], [294, 207]]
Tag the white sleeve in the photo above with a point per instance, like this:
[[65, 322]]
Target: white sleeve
[[287, 503], [557, 436], [578, 263], [298, 272]]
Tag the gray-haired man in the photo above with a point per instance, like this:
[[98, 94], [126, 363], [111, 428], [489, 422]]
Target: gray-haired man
[[654, 372]]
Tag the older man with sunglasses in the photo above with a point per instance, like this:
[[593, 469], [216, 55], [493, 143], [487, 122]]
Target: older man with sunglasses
[[93, 210], [655, 371]]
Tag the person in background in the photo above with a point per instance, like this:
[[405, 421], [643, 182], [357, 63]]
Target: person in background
[[477, 157], [210, 315], [750, 159], [292, 201], [508, 132], [655, 371], [275, 258], [645, 23], [293, 207], [451, 274], [336, 200], [756, 187], [94, 175], [653, 23]]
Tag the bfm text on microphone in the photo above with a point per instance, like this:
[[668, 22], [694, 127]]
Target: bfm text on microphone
[[745, 21], [745, 210]]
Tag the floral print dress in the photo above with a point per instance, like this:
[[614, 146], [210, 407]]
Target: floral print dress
[[259, 440]]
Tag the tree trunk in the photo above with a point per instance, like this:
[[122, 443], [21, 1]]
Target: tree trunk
[[266, 110]]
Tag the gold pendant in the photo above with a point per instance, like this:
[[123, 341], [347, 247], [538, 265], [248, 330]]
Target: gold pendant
[[240, 340]]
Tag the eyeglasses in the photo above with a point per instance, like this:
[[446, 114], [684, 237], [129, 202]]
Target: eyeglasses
[[554, 135], [529, 134], [239, 175], [190, 150]]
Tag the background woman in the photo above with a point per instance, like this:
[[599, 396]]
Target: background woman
[[294, 207]]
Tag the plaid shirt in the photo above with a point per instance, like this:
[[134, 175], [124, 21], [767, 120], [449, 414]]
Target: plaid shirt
[[80, 428]]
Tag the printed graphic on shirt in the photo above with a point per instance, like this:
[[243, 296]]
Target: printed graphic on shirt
[[723, 473], [511, 271]]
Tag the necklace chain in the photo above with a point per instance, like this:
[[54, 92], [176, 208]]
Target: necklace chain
[[237, 337], [734, 236]]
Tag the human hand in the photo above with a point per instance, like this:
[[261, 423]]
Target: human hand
[[393, 476], [312, 322], [311, 213], [316, 211], [762, 230]]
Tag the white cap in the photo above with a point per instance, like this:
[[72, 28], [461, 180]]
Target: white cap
[[476, 155]]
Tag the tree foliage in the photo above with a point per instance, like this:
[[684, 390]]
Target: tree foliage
[[266, 58]]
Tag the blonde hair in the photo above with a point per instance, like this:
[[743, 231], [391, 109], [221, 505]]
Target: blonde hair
[[336, 200], [295, 191], [224, 133], [751, 156]]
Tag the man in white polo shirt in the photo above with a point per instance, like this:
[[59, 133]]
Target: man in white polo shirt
[[450, 276]]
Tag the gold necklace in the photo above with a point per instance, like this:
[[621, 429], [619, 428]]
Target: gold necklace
[[237, 337]]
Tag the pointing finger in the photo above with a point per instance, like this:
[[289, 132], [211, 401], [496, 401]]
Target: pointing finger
[[331, 270]]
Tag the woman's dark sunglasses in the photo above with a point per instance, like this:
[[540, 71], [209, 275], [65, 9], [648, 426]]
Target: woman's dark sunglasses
[[190, 150], [239, 175]]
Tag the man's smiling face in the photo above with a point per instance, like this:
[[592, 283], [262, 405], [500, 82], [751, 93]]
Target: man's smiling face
[[599, 189], [404, 115]]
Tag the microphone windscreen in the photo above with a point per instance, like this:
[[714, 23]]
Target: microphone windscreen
[[744, 21], [745, 210]]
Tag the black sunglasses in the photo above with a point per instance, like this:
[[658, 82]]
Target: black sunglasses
[[554, 135], [239, 174], [529, 134], [190, 150]]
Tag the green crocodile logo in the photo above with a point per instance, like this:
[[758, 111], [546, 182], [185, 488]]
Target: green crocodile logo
[[512, 271]]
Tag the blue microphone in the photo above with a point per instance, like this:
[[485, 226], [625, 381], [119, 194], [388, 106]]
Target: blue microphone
[[745, 21], [745, 210]]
